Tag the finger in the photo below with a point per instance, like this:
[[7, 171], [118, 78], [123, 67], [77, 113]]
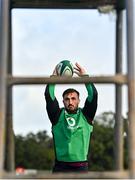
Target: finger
[[76, 68], [78, 65], [77, 72]]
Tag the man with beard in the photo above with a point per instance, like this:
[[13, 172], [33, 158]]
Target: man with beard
[[71, 125]]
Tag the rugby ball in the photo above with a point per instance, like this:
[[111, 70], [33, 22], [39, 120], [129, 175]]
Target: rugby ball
[[65, 68]]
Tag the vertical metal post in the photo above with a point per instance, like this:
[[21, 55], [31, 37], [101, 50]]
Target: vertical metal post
[[118, 149], [130, 7], [10, 157], [4, 11], [9, 149]]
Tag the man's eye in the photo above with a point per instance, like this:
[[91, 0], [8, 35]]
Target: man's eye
[[73, 98]]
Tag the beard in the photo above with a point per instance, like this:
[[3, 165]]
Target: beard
[[71, 109]]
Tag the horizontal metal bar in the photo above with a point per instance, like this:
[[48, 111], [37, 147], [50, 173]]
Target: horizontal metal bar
[[116, 79], [75, 4], [89, 175]]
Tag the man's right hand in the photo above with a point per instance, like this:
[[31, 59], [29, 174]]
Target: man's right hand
[[79, 70]]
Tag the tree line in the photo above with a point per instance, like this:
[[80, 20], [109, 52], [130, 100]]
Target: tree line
[[36, 151]]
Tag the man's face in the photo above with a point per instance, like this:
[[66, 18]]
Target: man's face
[[71, 101]]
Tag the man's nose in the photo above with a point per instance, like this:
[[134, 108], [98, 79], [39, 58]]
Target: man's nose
[[70, 101]]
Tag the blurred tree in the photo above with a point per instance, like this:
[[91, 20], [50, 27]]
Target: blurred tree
[[101, 155], [35, 151]]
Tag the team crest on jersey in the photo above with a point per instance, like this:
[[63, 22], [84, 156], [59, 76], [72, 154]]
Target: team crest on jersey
[[71, 123]]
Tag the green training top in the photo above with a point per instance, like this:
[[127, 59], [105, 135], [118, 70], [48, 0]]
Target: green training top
[[72, 137]]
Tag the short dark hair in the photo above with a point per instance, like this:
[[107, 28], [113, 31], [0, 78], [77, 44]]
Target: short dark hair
[[70, 90]]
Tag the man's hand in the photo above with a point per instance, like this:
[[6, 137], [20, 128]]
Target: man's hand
[[80, 71]]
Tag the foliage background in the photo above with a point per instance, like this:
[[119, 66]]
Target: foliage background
[[35, 151]]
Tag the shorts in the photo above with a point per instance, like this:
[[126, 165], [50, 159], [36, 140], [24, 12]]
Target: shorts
[[70, 167]]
